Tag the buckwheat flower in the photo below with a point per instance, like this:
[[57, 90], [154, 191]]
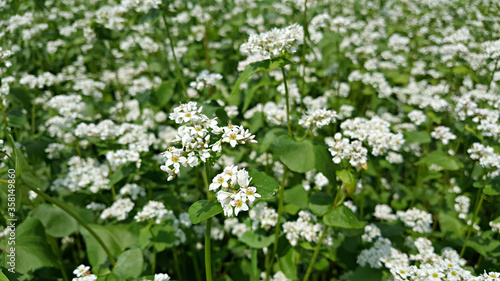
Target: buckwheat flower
[[250, 193], [80, 270], [394, 158], [133, 190], [263, 216], [342, 148], [233, 190], [239, 203], [218, 181], [318, 118], [118, 210], [154, 210], [349, 204], [443, 133], [417, 117], [321, 181], [205, 79], [419, 221], [462, 204], [232, 137], [384, 212], [161, 277], [495, 226], [371, 233], [274, 43]]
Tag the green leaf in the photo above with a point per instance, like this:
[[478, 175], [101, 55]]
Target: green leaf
[[57, 223], [204, 209], [265, 65], [320, 203], [342, 217], [32, 250], [165, 92], [16, 118], [251, 93], [95, 253], [121, 172], [3, 277], [366, 274], [441, 159], [297, 156], [256, 239], [417, 137], [296, 195], [288, 264], [266, 185], [450, 225], [348, 178], [129, 264], [323, 161]]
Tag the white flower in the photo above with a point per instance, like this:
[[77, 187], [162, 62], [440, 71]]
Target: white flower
[[161, 277], [275, 42], [80, 270], [251, 193]]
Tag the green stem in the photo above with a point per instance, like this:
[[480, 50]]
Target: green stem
[[315, 254], [57, 252], [304, 45], [208, 260], [208, 247], [278, 228], [72, 214], [176, 263], [195, 264], [33, 119], [176, 63], [153, 266], [471, 226], [287, 97]]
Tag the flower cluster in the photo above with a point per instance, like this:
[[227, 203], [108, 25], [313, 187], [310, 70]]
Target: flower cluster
[[443, 134], [487, 157], [233, 190], [274, 43], [263, 216], [419, 221], [118, 210], [307, 228], [342, 148], [376, 132], [195, 138], [462, 204], [318, 118], [205, 79], [154, 210]]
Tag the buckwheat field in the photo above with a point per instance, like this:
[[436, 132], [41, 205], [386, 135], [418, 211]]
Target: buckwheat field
[[276, 140]]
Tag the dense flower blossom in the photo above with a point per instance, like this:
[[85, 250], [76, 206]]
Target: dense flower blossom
[[274, 43], [233, 190]]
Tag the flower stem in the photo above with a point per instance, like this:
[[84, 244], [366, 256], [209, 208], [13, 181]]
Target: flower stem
[[478, 207], [277, 229], [208, 261], [315, 254], [176, 263], [208, 247], [176, 63], [287, 97]]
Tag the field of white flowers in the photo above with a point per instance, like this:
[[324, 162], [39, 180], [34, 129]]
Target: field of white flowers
[[311, 140]]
